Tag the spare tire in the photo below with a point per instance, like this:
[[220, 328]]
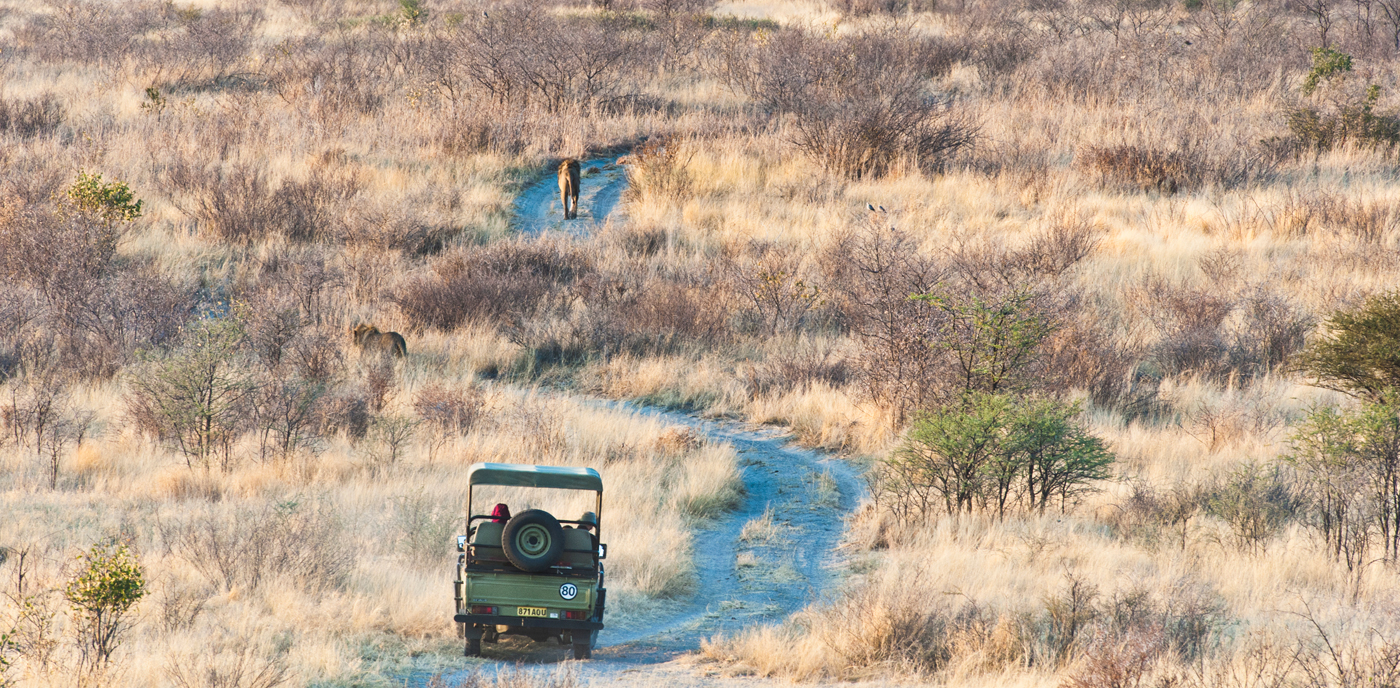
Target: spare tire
[[533, 540]]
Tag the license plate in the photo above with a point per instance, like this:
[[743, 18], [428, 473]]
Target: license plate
[[532, 611]]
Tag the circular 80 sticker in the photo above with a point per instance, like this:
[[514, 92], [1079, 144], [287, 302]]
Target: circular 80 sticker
[[568, 591]]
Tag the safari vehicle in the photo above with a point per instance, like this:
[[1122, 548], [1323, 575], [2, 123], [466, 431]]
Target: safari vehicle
[[534, 575]]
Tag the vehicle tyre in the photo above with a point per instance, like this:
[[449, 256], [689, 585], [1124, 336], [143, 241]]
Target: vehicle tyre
[[533, 540], [473, 647], [583, 644]]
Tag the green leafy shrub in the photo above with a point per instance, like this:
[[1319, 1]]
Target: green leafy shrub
[[1355, 121], [8, 648], [112, 202], [102, 592], [991, 452], [1327, 64], [196, 398], [1349, 464], [1358, 352], [1344, 115]]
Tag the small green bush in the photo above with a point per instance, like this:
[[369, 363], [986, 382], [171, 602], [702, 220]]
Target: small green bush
[[112, 202], [102, 592], [1327, 64], [992, 452], [1346, 115], [1359, 350], [1355, 121]]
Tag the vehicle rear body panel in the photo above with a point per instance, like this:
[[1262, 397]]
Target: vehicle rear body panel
[[509, 591]]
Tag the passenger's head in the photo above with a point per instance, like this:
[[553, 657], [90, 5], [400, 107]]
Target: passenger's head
[[588, 521], [500, 513]]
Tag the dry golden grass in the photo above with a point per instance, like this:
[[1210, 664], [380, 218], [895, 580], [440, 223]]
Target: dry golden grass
[[392, 524], [1318, 231]]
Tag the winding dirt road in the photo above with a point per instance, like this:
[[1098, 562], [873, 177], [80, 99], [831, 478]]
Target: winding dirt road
[[802, 499]]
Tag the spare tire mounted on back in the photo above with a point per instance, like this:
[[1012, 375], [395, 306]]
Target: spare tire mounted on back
[[533, 540]]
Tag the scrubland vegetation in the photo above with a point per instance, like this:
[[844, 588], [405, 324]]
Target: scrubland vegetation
[[1137, 425]]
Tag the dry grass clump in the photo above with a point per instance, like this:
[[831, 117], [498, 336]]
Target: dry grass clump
[[972, 616], [1143, 169]]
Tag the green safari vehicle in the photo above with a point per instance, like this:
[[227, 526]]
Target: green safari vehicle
[[534, 575]]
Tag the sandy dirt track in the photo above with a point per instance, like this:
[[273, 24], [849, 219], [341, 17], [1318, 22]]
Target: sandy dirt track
[[537, 208], [742, 582]]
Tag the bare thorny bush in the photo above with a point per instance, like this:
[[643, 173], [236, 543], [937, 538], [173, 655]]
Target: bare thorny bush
[[520, 53], [67, 304], [916, 352], [294, 542], [858, 102]]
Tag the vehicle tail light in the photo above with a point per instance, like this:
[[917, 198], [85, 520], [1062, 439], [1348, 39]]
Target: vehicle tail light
[[483, 609], [580, 615]]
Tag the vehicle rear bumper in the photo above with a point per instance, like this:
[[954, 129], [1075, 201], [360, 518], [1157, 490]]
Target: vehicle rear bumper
[[529, 622]]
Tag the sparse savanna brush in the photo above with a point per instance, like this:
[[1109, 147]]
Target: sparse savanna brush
[[196, 398], [108, 583]]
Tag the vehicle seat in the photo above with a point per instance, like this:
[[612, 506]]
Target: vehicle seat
[[578, 539], [488, 534]]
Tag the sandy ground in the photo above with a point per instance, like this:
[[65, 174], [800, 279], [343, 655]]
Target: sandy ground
[[742, 582]]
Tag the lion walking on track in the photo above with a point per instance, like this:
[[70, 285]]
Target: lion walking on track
[[568, 187]]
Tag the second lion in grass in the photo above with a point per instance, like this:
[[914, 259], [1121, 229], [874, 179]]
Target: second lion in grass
[[369, 338]]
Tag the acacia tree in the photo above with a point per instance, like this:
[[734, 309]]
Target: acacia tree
[[1058, 458], [1350, 462], [1358, 352], [992, 452], [1351, 458], [196, 397]]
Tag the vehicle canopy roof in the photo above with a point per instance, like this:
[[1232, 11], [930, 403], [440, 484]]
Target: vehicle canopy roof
[[519, 475]]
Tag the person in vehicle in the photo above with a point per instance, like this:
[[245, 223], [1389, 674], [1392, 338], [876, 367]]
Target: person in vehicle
[[500, 513], [589, 522]]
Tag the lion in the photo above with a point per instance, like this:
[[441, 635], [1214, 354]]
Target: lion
[[568, 186], [369, 337]]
